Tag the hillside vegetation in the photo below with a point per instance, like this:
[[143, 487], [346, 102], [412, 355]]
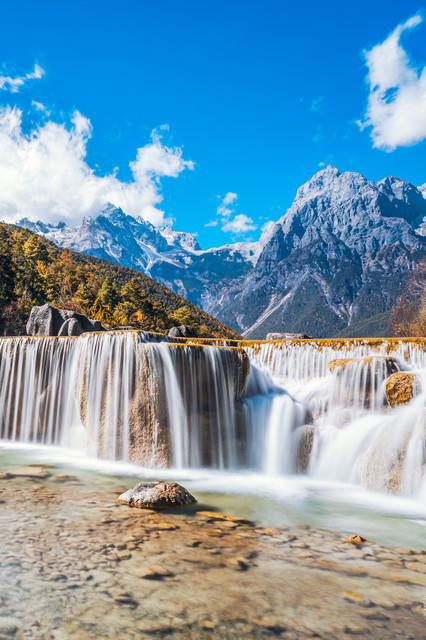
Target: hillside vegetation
[[34, 271]]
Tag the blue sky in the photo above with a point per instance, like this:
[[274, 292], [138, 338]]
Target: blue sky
[[255, 94]]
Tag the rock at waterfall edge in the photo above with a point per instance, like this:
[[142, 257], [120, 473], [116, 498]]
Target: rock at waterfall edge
[[156, 495], [184, 331], [51, 321], [401, 388]]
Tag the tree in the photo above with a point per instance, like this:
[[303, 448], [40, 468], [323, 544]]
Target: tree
[[106, 301], [409, 315], [184, 315]]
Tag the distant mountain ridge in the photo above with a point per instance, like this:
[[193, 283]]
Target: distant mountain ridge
[[340, 256]]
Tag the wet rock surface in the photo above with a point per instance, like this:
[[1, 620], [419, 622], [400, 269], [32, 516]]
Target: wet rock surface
[[75, 564], [388, 363], [401, 388], [156, 495]]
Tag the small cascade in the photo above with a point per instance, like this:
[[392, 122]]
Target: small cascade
[[35, 382], [276, 408], [354, 435]]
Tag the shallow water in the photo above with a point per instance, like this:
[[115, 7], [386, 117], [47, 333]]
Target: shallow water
[[272, 502]]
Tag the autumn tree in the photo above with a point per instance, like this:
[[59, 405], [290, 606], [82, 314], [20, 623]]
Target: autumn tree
[[409, 315]]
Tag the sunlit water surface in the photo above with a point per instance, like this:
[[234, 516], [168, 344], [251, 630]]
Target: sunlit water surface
[[287, 500]]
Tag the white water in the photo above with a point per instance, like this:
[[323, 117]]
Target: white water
[[130, 397]]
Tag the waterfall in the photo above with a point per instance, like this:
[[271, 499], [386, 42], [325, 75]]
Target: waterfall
[[353, 435], [276, 408], [124, 396]]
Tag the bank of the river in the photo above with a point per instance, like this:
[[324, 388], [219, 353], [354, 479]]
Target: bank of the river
[[76, 565]]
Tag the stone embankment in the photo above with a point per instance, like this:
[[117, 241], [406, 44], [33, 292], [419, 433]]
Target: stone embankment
[[75, 564]]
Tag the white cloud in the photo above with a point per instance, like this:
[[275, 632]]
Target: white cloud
[[229, 198], [238, 224], [44, 174], [7, 83], [40, 107], [396, 108], [268, 226]]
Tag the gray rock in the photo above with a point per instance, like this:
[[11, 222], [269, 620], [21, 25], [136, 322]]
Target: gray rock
[[71, 327], [287, 336], [184, 331], [156, 495], [50, 321]]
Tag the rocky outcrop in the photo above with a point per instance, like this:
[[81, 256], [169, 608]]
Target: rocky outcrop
[[359, 380], [184, 331], [340, 256], [178, 397], [288, 336], [306, 443], [156, 495], [401, 388], [50, 321], [383, 465], [374, 363]]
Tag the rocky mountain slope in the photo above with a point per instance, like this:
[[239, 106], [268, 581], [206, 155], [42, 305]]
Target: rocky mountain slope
[[34, 271], [335, 263]]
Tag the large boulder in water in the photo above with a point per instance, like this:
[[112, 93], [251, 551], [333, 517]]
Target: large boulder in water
[[401, 388], [156, 495], [184, 331], [50, 321]]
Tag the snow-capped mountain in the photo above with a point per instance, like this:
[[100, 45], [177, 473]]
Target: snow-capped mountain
[[340, 255]]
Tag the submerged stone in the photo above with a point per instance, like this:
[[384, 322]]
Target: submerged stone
[[157, 495], [29, 472], [401, 388], [356, 539]]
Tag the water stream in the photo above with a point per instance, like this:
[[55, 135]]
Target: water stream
[[281, 412]]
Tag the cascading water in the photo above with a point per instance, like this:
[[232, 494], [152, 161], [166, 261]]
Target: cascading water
[[298, 407], [354, 435], [123, 398]]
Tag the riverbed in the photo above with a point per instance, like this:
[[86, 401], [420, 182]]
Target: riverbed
[[77, 565]]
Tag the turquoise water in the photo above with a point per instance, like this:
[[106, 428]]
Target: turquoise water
[[272, 502]]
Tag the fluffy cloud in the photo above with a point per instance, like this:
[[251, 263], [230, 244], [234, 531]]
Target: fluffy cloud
[[396, 108], [7, 83], [44, 174], [238, 224]]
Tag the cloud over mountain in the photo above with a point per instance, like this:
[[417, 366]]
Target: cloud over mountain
[[237, 224], [45, 174]]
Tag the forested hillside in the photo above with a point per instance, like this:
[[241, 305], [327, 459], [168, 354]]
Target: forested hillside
[[34, 271]]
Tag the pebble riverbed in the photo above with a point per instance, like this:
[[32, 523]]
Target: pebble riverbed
[[76, 565]]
